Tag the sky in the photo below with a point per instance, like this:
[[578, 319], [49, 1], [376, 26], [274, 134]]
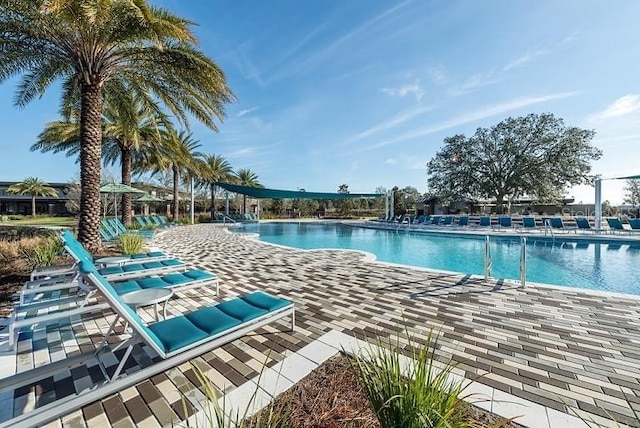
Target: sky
[[363, 92]]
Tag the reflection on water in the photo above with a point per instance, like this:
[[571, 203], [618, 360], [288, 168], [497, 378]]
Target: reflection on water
[[603, 266]]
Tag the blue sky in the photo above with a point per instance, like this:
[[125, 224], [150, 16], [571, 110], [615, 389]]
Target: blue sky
[[363, 92]]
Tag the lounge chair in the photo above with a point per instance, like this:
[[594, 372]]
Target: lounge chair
[[463, 220], [485, 221], [634, 223], [583, 224], [175, 341], [505, 222], [529, 223], [435, 220], [448, 220], [137, 267], [557, 223], [615, 225]]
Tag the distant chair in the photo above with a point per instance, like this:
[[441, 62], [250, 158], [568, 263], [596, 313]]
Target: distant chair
[[448, 220], [529, 223], [505, 222], [583, 224], [615, 225], [557, 223], [435, 220], [635, 224], [485, 221], [463, 220]]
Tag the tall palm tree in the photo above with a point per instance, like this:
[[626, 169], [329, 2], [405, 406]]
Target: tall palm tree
[[217, 169], [107, 46], [246, 177], [126, 129], [176, 153], [33, 187]]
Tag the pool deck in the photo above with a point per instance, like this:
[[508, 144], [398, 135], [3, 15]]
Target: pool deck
[[552, 346]]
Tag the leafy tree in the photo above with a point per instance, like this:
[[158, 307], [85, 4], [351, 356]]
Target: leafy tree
[[535, 155], [107, 46], [73, 197], [216, 170], [127, 128], [276, 206], [632, 194], [246, 177], [33, 187], [344, 206]]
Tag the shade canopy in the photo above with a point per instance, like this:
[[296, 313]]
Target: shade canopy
[[149, 198], [262, 193], [631, 177], [119, 188]]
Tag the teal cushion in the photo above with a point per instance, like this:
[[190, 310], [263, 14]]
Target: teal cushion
[[240, 310], [152, 265], [175, 279], [212, 320], [126, 287], [111, 270], [171, 262], [151, 283], [199, 274], [265, 301], [176, 333]]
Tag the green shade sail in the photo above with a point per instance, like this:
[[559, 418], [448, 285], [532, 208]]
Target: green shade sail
[[262, 193], [631, 177], [149, 198]]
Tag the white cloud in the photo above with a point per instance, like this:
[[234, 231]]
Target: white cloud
[[474, 82], [524, 58], [391, 123], [247, 111], [620, 107], [404, 90], [437, 73], [470, 117], [391, 161]]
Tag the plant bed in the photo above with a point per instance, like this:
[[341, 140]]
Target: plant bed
[[332, 397]]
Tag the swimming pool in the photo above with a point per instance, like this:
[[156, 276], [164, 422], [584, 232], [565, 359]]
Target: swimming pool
[[593, 265]]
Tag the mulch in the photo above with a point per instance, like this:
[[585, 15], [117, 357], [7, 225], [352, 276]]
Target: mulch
[[331, 397]]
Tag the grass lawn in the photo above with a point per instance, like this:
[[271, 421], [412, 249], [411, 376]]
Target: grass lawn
[[45, 221]]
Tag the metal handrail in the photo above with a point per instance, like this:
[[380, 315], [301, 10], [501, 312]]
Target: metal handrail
[[523, 261], [547, 225], [487, 258]]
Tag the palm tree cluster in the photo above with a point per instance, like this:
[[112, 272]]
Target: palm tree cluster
[[130, 73], [33, 187]]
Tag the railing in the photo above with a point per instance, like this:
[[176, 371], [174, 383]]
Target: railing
[[547, 227], [225, 218], [487, 258], [523, 261]]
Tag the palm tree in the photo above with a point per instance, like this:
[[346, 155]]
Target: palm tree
[[177, 153], [126, 129], [216, 170], [107, 46], [246, 177], [34, 187]]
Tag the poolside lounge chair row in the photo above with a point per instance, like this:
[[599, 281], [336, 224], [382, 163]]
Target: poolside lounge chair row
[[112, 228], [174, 340], [153, 221]]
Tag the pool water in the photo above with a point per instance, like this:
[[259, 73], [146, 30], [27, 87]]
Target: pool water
[[593, 265]]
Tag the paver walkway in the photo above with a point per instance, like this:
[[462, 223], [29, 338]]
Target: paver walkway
[[556, 347]]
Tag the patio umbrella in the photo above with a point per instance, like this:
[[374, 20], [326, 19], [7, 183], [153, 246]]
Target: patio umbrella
[[146, 199], [118, 189]]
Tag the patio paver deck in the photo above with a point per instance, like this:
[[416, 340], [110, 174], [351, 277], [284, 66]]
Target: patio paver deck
[[553, 346]]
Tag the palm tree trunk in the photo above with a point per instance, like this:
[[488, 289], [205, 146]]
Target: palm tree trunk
[[125, 158], [213, 201], [244, 204], [90, 153], [176, 184], [33, 206]]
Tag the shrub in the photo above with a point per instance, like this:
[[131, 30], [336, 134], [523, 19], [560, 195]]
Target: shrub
[[134, 225], [150, 227], [40, 251], [130, 243], [204, 218], [418, 394], [184, 220]]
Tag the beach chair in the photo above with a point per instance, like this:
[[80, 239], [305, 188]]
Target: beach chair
[[505, 222], [558, 224], [140, 221], [169, 342], [463, 221], [448, 220], [634, 224], [166, 222], [529, 223], [485, 221], [615, 225], [435, 220], [583, 224]]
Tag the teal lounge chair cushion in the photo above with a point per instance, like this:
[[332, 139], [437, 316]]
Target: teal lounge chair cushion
[[126, 287], [175, 278], [212, 320], [264, 301], [195, 275], [176, 333], [151, 282], [150, 254], [240, 310]]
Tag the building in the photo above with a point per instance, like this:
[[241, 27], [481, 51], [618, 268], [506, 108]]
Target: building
[[21, 204]]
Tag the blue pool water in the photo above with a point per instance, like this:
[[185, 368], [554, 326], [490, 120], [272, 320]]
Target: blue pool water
[[599, 266]]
